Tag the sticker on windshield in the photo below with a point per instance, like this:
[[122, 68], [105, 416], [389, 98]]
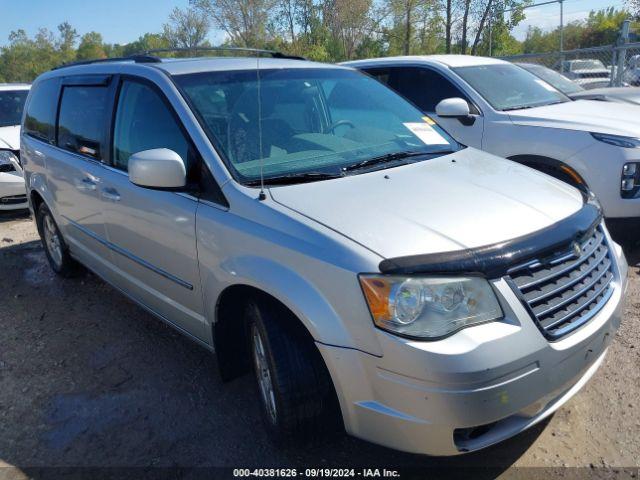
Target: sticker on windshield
[[426, 133], [428, 120]]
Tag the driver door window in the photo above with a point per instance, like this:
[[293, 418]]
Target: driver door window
[[424, 87], [143, 122]]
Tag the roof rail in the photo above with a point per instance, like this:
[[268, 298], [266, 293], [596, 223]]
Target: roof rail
[[273, 53], [133, 58]]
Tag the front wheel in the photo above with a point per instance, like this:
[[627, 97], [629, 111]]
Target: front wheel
[[54, 245], [296, 393]]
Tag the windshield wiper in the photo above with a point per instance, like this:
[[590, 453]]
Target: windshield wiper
[[292, 178], [389, 157], [519, 107], [535, 105]]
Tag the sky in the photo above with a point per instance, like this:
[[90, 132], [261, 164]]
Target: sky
[[119, 21], [123, 21]]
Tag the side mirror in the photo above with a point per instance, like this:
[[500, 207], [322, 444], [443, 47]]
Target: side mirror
[[157, 168], [455, 108]]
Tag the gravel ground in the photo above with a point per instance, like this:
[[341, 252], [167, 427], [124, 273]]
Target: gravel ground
[[88, 379]]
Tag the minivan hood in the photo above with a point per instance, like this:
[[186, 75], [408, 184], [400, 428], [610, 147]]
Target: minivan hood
[[464, 200], [10, 137], [583, 115]]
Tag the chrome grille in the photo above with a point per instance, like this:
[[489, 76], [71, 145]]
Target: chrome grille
[[566, 291]]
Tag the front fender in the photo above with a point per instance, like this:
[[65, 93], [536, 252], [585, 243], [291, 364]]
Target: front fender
[[294, 291], [310, 269]]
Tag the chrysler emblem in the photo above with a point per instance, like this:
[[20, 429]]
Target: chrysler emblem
[[577, 250]]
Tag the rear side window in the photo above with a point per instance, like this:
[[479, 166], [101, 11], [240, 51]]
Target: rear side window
[[144, 122], [82, 123], [41, 112]]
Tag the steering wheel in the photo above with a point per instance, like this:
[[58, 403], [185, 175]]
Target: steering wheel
[[339, 123]]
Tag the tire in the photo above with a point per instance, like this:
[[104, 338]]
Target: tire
[[301, 404], [55, 248]]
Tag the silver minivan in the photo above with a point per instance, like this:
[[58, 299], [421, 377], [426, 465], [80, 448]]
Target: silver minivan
[[305, 222]]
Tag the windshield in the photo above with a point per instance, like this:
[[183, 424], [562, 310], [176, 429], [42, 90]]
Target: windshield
[[554, 78], [11, 106], [509, 87], [320, 120]]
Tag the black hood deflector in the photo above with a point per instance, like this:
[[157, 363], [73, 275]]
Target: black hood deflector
[[495, 260]]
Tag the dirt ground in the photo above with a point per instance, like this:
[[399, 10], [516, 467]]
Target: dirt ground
[[88, 379]]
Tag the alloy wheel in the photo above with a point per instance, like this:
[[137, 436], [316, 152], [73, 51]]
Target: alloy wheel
[[264, 375]]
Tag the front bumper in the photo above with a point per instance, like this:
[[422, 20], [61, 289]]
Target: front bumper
[[601, 167], [473, 389], [12, 192]]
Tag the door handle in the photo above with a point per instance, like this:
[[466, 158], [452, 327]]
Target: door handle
[[110, 194], [86, 184]]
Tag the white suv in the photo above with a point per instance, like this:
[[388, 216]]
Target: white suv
[[305, 220], [12, 192], [503, 109]]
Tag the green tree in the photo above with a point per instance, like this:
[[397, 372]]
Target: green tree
[[494, 27], [148, 41], [113, 50], [23, 58], [412, 28], [245, 22], [349, 22], [187, 28], [601, 27], [91, 47], [67, 42]]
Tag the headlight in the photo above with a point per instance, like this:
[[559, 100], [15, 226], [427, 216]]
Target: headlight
[[429, 307], [8, 161], [618, 141], [630, 187]]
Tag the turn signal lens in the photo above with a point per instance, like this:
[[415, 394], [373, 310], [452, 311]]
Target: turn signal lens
[[376, 291]]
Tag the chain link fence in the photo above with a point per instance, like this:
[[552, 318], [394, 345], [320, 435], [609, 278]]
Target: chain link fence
[[610, 66]]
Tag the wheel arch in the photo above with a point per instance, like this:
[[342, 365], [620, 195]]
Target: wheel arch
[[38, 193], [35, 198], [298, 293], [231, 333], [555, 168]]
